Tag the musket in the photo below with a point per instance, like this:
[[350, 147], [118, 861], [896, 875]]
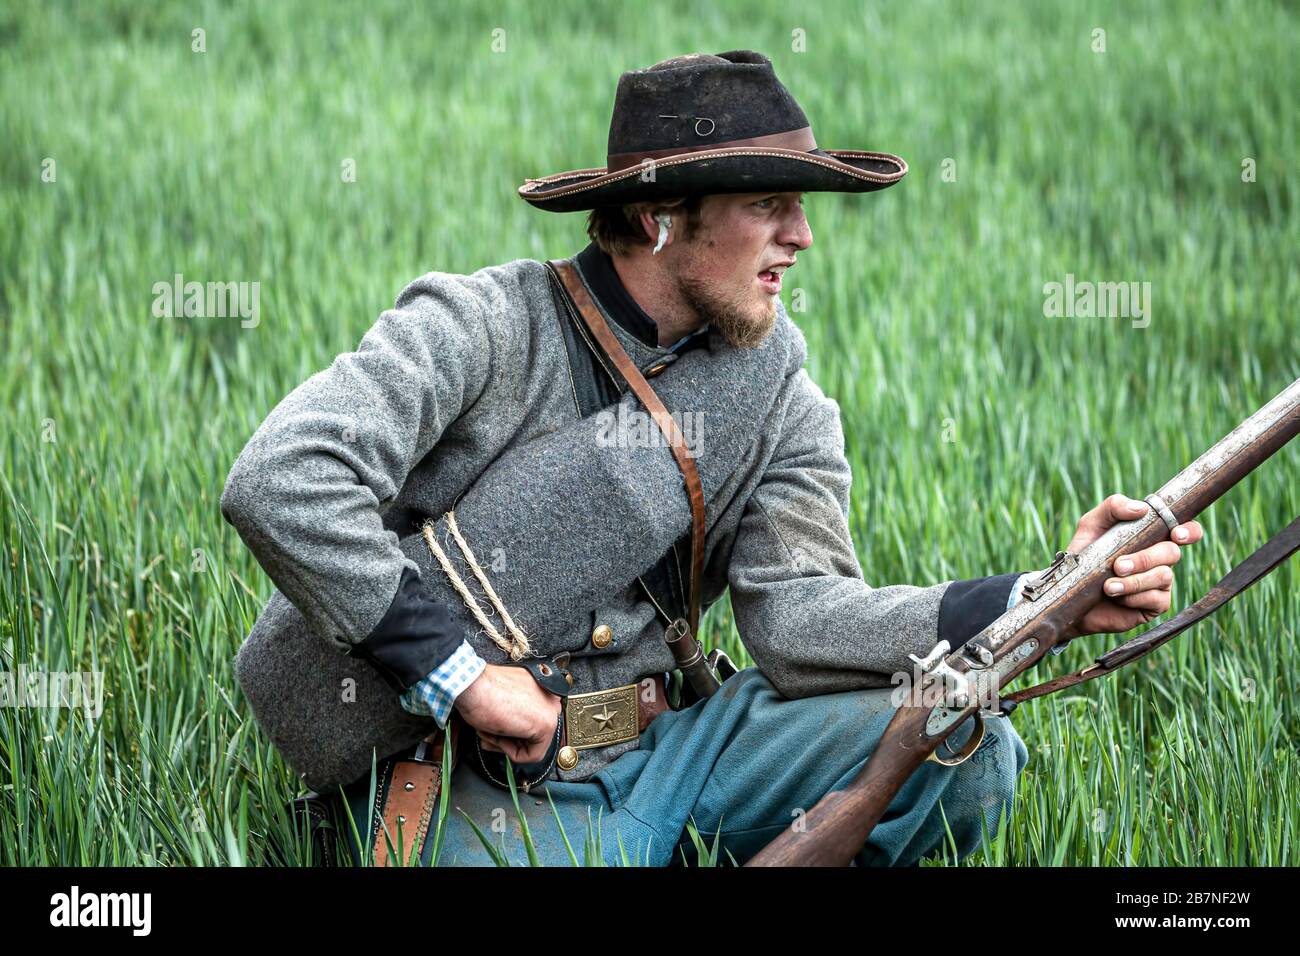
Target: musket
[[956, 686]]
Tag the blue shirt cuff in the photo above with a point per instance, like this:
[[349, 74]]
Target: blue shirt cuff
[[435, 694], [1017, 596]]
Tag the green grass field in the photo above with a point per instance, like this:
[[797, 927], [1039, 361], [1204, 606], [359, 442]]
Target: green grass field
[[978, 429]]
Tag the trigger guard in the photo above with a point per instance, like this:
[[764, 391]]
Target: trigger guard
[[967, 749]]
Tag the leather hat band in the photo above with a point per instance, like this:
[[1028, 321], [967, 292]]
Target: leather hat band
[[801, 139]]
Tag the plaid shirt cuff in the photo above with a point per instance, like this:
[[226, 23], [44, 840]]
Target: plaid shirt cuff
[[435, 694]]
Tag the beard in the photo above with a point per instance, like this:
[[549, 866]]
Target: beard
[[733, 317]]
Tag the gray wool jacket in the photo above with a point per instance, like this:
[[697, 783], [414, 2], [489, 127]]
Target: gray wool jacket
[[463, 396]]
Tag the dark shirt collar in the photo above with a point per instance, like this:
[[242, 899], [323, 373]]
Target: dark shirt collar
[[598, 269]]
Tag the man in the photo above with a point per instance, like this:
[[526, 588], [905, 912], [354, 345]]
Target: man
[[479, 399]]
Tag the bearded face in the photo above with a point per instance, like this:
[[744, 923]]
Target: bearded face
[[731, 269]]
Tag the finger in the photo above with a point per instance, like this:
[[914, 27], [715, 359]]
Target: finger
[[1118, 508], [1111, 618], [1189, 532], [1104, 619], [1165, 553], [518, 749], [515, 751], [527, 751], [1124, 508], [1159, 579], [535, 752], [539, 747], [1115, 508], [502, 745], [1153, 600]]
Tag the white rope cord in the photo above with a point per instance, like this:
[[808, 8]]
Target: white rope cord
[[516, 632], [517, 647]]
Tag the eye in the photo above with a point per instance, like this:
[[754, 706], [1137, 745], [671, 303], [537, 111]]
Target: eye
[[769, 200]]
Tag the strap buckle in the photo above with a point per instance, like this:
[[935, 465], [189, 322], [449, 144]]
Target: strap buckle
[[550, 672]]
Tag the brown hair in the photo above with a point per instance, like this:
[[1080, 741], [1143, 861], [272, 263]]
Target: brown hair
[[617, 229]]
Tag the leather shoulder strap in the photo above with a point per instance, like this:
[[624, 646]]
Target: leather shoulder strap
[[597, 385], [600, 331]]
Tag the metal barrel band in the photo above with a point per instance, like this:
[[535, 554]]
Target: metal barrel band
[[1161, 508]]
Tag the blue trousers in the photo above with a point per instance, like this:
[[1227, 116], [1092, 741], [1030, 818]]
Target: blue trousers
[[743, 765]]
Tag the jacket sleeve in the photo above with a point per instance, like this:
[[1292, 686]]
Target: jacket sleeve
[[804, 612], [307, 492]]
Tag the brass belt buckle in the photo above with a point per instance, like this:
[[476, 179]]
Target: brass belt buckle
[[602, 717]]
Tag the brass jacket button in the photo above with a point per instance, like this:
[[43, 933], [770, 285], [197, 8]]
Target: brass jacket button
[[602, 636], [567, 758]]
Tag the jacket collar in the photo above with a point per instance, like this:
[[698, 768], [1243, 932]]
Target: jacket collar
[[602, 278], [598, 269]]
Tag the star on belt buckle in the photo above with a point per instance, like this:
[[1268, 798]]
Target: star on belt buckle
[[602, 717]]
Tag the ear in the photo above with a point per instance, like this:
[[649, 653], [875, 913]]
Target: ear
[[650, 225]]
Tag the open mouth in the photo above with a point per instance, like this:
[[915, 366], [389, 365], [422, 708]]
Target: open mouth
[[770, 279]]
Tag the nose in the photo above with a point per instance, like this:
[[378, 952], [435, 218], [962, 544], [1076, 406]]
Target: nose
[[796, 231]]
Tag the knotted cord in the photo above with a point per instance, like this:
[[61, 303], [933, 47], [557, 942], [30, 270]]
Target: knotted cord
[[517, 645]]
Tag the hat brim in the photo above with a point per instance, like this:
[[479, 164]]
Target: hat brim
[[736, 169]]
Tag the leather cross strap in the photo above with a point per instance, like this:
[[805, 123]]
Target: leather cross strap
[[1280, 547], [600, 330]]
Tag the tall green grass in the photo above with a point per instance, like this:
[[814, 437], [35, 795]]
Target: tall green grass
[[978, 429]]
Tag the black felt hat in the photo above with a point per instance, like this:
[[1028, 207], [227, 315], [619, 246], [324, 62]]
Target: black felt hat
[[701, 124]]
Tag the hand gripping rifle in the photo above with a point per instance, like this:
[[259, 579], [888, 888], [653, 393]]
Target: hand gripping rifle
[[833, 831]]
